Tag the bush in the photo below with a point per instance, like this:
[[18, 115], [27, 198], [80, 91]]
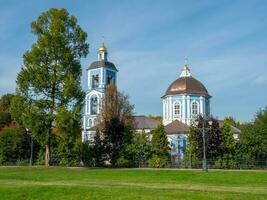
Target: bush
[[226, 162], [14, 145], [123, 162], [158, 162]]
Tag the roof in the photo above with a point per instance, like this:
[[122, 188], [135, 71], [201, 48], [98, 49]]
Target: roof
[[187, 85], [176, 127], [234, 129], [143, 122], [102, 63]]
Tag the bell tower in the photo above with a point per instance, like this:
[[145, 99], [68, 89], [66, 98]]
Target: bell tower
[[100, 74]]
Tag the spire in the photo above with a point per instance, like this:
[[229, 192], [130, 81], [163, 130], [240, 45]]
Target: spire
[[102, 47], [185, 70], [102, 51]]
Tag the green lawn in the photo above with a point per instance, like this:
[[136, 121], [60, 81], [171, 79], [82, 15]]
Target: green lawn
[[56, 183]]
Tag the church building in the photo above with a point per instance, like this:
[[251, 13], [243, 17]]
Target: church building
[[183, 101], [99, 74]]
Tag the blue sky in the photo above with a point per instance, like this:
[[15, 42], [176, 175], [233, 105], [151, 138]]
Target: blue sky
[[225, 42]]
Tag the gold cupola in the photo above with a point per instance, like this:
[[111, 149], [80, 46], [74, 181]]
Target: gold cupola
[[102, 51]]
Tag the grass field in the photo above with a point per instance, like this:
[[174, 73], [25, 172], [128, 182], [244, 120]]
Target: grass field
[[21, 183]]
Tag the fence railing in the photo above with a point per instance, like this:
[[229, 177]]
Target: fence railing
[[238, 163]]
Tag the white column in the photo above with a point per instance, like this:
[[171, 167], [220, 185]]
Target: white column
[[163, 111], [89, 79], [167, 109], [171, 108], [183, 109], [188, 110], [201, 105], [101, 77]]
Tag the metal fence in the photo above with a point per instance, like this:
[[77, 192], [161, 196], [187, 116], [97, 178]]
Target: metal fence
[[239, 163]]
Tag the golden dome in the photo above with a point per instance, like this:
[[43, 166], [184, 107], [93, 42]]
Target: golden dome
[[103, 48]]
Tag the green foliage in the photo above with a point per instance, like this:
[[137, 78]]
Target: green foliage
[[160, 148], [91, 152], [159, 161], [227, 161], [213, 138], [14, 145], [160, 144], [123, 162], [228, 138], [69, 128], [140, 149], [232, 121], [117, 124], [5, 116], [50, 78], [253, 139]]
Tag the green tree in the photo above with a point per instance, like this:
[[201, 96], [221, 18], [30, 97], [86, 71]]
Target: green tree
[[213, 140], [227, 160], [14, 145], [253, 138], [5, 115], [116, 125], [160, 148], [91, 152], [232, 121], [228, 139], [49, 81], [140, 148]]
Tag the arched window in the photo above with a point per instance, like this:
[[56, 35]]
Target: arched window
[[95, 121], [90, 123], [93, 105], [194, 108], [109, 80], [95, 81], [177, 108]]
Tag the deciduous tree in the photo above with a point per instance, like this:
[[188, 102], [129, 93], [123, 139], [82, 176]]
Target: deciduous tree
[[49, 80], [116, 123]]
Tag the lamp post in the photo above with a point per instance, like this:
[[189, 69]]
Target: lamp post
[[203, 130]]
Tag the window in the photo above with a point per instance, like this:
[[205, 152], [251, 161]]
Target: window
[[93, 105], [95, 121], [95, 81], [109, 80], [177, 108], [194, 108], [89, 122]]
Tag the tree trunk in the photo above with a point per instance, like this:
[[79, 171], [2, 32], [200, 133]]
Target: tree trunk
[[47, 155], [47, 151]]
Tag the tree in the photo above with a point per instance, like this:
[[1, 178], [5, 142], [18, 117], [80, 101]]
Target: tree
[[160, 148], [91, 152], [213, 138], [49, 82], [227, 160], [253, 138], [228, 139], [5, 116], [14, 143], [116, 123], [140, 148], [232, 121]]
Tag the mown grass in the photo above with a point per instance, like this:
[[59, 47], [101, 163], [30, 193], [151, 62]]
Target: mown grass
[[25, 183]]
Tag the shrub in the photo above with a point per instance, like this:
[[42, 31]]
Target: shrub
[[158, 162], [226, 162], [14, 145], [123, 162]]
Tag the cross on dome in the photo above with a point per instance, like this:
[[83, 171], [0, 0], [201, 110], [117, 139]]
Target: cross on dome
[[185, 70]]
